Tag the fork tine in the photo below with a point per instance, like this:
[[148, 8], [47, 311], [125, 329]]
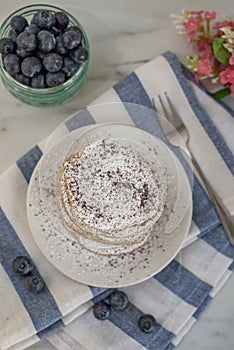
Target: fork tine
[[159, 106], [167, 109], [177, 121]]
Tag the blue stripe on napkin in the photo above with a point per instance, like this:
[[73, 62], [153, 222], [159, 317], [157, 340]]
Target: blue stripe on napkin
[[82, 118], [231, 267], [41, 308], [202, 307], [51, 329], [96, 291], [170, 347], [28, 161], [127, 320], [218, 240], [202, 116], [142, 112], [131, 90], [204, 214], [183, 283]]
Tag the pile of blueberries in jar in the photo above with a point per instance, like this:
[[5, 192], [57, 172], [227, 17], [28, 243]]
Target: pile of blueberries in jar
[[44, 53]]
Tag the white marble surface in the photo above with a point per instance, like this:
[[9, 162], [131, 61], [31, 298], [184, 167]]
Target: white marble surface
[[123, 34]]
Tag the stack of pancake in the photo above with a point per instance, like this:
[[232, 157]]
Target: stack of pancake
[[109, 197]]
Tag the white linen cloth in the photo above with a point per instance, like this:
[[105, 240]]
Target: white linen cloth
[[175, 296]]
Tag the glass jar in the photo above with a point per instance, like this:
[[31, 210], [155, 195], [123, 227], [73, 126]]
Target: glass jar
[[47, 97]]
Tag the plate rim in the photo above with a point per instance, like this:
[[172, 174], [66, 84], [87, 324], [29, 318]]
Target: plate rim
[[187, 216]]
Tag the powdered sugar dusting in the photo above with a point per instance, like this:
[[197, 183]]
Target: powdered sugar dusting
[[108, 193]]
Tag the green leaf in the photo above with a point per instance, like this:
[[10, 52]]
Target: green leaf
[[220, 52], [221, 94]]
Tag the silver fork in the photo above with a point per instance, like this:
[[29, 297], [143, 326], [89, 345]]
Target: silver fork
[[165, 107]]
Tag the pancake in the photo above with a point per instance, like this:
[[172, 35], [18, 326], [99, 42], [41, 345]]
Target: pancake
[[108, 194]]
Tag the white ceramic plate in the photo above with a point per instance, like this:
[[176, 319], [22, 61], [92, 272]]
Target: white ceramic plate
[[62, 248]]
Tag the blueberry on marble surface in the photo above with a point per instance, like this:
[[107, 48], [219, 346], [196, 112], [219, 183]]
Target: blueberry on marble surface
[[70, 67], [31, 66], [34, 284], [55, 79], [79, 54], [7, 46], [22, 265], [147, 323], [71, 38], [61, 20], [46, 41], [101, 310], [26, 41], [119, 300], [44, 19], [18, 23], [52, 62], [12, 63]]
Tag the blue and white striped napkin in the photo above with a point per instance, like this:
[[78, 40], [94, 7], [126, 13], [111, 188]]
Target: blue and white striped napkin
[[178, 294]]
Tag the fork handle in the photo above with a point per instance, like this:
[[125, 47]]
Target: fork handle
[[225, 217]]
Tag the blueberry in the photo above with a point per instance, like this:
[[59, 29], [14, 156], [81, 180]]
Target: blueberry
[[46, 41], [147, 323], [12, 63], [44, 19], [40, 54], [61, 20], [60, 48], [38, 82], [34, 284], [22, 53], [7, 46], [119, 300], [79, 54], [22, 265], [31, 66], [55, 79], [52, 62], [75, 29], [55, 31], [12, 35], [101, 310], [18, 23], [32, 29], [26, 41], [22, 79], [71, 39], [70, 67]]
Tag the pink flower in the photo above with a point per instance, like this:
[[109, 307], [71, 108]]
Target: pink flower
[[204, 67], [222, 24], [204, 45], [207, 52], [231, 59], [196, 77], [198, 13], [227, 75], [192, 25], [232, 90], [210, 15]]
